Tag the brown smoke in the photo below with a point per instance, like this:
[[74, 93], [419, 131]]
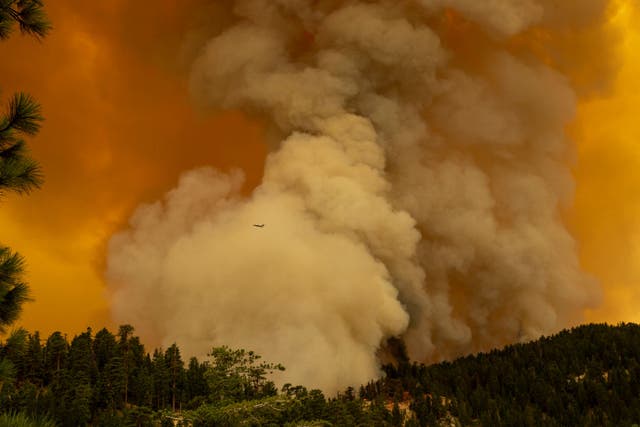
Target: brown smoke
[[414, 188]]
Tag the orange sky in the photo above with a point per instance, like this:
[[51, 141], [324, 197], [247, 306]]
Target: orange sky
[[119, 129], [606, 215]]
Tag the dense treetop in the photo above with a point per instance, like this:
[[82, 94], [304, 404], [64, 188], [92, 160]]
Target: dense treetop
[[588, 375]]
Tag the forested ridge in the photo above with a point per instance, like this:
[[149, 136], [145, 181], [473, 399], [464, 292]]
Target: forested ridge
[[586, 376], [589, 375]]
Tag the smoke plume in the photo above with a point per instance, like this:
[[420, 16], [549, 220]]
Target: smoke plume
[[414, 188]]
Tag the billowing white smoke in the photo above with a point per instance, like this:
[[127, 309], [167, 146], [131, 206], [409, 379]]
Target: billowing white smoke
[[415, 193]]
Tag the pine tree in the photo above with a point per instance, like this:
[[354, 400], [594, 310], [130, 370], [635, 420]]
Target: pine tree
[[34, 360], [18, 172], [10, 360], [104, 347], [13, 290], [29, 15], [7, 376], [195, 382], [142, 385], [82, 373], [176, 372], [124, 345], [55, 357], [107, 361], [81, 358], [79, 406], [161, 380]]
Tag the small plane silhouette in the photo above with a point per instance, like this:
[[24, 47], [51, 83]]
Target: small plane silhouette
[[258, 225]]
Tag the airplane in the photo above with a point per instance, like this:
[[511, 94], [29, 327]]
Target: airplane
[[258, 225]]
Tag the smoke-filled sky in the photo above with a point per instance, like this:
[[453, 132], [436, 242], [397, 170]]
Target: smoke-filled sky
[[119, 130], [459, 176]]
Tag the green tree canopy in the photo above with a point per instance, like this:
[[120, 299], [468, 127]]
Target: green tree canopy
[[13, 290], [239, 374]]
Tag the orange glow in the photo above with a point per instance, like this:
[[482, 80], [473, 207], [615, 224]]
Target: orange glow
[[119, 130], [112, 81], [606, 215]]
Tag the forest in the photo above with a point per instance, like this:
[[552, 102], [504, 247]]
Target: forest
[[589, 375], [585, 376]]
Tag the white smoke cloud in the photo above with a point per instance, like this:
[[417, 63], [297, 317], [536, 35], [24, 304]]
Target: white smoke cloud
[[414, 194]]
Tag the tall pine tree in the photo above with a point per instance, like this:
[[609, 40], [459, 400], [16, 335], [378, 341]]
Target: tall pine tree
[[175, 365], [18, 172]]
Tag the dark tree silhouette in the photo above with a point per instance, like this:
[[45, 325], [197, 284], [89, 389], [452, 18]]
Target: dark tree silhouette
[[18, 172]]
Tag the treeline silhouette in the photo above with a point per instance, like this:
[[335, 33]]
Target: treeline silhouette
[[589, 375], [110, 380], [586, 376]]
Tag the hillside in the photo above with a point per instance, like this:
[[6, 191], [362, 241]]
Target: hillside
[[589, 375]]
